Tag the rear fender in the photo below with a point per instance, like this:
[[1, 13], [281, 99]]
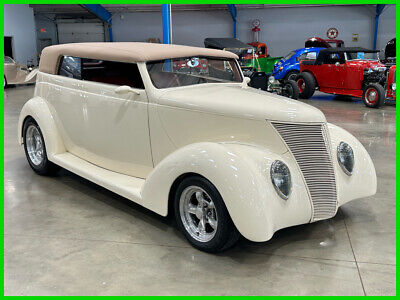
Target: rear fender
[[38, 109]]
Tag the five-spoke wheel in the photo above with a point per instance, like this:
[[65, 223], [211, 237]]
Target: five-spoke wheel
[[35, 148], [202, 216]]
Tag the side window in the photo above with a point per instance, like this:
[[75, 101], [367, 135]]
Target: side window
[[311, 55], [301, 57], [70, 67], [112, 72], [261, 50]]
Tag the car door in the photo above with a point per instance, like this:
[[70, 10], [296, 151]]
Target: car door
[[64, 93], [332, 72], [116, 124]]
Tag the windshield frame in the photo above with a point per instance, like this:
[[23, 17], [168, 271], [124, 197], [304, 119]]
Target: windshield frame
[[348, 56], [12, 61], [289, 55], [240, 71]]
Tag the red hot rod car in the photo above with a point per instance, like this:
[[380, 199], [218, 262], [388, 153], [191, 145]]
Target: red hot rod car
[[344, 71], [391, 84]]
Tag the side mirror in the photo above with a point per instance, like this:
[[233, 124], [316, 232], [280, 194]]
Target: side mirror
[[247, 80], [124, 89]]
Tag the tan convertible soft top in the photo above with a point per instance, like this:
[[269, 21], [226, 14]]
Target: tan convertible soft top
[[123, 52]]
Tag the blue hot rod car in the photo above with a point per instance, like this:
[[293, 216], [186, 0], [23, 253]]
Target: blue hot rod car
[[288, 67]]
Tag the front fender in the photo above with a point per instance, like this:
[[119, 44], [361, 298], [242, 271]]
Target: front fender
[[241, 175], [362, 182], [37, 109]]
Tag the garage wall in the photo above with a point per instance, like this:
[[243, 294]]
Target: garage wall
[[283, 29], [20, 24], [387, 26], [189, 27], [50, 28]]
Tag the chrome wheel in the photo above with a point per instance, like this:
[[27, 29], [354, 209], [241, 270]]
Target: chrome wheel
[[371, 95], [198, 214], [34, 145]]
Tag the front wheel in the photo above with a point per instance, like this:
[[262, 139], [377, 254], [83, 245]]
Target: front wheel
[[291, 75], [202, 216], [290, 89], [373, 95], [306, 83], [35, 149]]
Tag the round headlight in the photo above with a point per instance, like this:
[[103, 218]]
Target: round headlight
[[271, 79], [345, 157], [281, 179]]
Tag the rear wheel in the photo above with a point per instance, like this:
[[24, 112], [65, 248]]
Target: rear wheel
[[306, 83], [290, 89], [202, 216], [373, 95], [35, 149]]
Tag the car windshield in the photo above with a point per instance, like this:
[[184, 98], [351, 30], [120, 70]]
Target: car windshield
[[361, 55], [289, 55], [8, 60], [186, 71]]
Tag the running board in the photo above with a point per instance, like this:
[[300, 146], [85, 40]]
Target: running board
[[124, 185]]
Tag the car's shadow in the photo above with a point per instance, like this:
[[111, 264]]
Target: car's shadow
[[320, 235]]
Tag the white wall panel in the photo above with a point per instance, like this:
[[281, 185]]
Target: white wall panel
[[20, 24]]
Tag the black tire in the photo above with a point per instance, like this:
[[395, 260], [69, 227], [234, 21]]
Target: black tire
[[226, 234], [379, 95], [5, 82], [291, 75], [307, 84], [290, 89], [45, 167]]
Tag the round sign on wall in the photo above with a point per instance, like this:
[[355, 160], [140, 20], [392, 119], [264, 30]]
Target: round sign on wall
[[256, 23], [332, 33]]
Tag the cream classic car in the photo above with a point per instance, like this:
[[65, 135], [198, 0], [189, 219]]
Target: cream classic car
[[15, 73], [178, 130]]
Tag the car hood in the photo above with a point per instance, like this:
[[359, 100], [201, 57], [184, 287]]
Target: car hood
[[238, 101], [364, 63]]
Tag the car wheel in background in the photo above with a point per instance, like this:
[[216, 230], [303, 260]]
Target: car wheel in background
[[374, 95], [35, 149], [202, 216], [5, 82], [291, 75], [290, 89], [306, 83]]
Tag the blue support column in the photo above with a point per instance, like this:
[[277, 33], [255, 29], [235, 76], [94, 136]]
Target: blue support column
[[233, 11], [166, 23], [379, 9], [103, 14]]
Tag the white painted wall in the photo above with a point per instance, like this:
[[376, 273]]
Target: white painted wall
[[283, 29], [19, 23]]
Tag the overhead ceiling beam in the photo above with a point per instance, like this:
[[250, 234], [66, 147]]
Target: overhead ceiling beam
[[103, 14]]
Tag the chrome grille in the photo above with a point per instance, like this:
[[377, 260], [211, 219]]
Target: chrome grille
[[308, 144]]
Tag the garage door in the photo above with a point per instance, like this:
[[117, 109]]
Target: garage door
[[77, 32]]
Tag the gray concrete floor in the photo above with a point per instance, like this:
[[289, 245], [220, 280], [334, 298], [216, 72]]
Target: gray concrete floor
[[66, 236]]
